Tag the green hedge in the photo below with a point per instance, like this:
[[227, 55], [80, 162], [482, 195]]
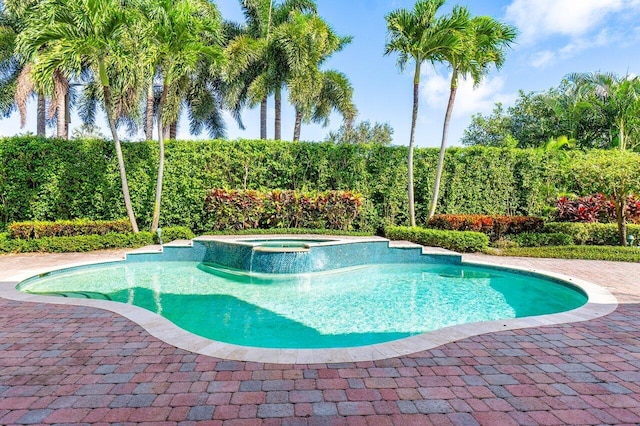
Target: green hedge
[[84, 243], [530, 239], [48, 179], [598, 234], [67, 228], [462, 241]]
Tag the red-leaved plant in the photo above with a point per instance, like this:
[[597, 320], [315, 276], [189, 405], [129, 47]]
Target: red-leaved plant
[[595, 208]]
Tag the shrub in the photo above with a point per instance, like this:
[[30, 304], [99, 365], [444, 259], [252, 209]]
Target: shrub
[[67, 228], [83, 243], [620, 254], [591, 233], [527, 239], [295, 231], [248, 209], [462, 241], [176, 233], [493, 226], [78, 243], [595, 208]]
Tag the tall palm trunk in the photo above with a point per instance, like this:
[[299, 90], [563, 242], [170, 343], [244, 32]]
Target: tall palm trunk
[[156, 205], [67, 115], [412, 138], [297, 126], [173, 130], [114, 133], [263, 119], [61, 117], [148, 113], [278, 119], [41, 114], [443, 145]]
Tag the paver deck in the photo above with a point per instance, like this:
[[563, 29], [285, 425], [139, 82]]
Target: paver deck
[[71, 364]]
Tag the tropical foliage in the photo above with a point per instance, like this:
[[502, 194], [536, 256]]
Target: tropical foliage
[[469, 46], [362, 133], [418, 36], [48, 179], [484, 42], [615, 173], [596, 110], [249, 209]]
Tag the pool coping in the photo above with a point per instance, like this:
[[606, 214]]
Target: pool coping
[[600, 303]]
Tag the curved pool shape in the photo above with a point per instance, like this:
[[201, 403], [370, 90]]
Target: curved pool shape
[[362, 305]]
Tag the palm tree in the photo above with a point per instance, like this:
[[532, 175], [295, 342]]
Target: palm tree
[[16, 86], [485, 41], [257, 61], [67, 36], [184, 36], [615, 99], [419, 36], [335, 94], [306, 42]]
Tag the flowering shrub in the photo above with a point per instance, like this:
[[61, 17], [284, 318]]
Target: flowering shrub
[[595, 208], [493, 226], [247, 209]]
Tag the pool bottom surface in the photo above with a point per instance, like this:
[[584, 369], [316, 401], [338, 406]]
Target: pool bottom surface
[[355, 307]]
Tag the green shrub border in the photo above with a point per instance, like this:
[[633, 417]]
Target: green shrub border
[[461, 241], [85, 243], [597, 234], [67, 228], [611, 253], [532, 239]]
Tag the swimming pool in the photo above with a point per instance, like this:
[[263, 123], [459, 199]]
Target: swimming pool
[[356, 306], [338, 293]]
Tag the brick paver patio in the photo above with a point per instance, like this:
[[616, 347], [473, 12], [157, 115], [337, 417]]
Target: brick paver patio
[[69, 364]]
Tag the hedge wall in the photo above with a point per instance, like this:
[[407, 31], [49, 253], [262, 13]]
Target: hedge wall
[[48, 179]]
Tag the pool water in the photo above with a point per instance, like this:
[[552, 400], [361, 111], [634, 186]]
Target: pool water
[[342, 308]]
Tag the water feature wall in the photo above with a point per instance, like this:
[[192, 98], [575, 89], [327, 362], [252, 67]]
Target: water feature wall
[[316, 257]]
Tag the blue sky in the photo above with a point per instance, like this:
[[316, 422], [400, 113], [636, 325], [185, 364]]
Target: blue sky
[[556, 37]]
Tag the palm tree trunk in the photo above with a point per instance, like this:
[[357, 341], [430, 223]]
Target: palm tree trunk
[[297, 126], [263, 119], [114, 133], [414, 119], [148, 113], [173, 130], [61, 120], [121, 167], [156, 205], [67, 115], [278, 119], [41, 129], [443, 145]]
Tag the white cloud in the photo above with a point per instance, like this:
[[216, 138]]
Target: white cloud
[[542, 58], [469, 100], [540, 19]]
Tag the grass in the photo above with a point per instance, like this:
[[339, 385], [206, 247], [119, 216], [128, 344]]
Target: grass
[[615, 253]]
